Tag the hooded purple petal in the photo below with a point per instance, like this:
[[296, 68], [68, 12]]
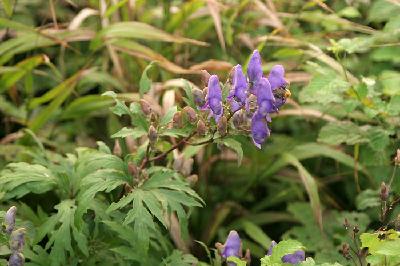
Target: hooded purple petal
[[214, 97], [239, 85], [294, 258], [9, 219], [273, 244], [259, 129], [254, 70], [276, 77], [232, 246], [265, 97]]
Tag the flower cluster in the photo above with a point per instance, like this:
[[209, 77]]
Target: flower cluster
[[17, 238], [251, 99], [233, 248]]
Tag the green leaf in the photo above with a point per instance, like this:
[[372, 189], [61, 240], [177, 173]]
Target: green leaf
[[236, 146], [167, 118], [390, 81], [177, 258], [310, 186], [145, 82], [324, 89], [133, 132], [8, 7], [21, 69], [19, 179], [237, 261], [336, 133], [256, 233]]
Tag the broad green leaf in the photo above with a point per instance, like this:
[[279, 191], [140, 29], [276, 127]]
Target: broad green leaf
[[19, 179], [324, 89], [342, 132]]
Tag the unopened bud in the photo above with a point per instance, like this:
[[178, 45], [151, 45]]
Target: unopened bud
[[205, 76], [117, 148], [356, 229], [198, 96], [346, 251], [384, 193], [17, 240], [397, 223], [397, 158], [177, 120], [9, 219], [133, 169], [239, 118], [201, 128], [191, 114], [145, 106], [205, 92], [222, 126], [16, 259], [192, 179], [152, 134], [346, 223], [247, 256]]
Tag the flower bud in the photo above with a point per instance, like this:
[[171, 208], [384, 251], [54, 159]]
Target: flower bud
[[247, 256], [177, 120], [192, 179], [198, 96], [205, 76], [397, 158], [346, 251], [222, 126], [152, 134], [117, 148], [17, 240], [201, 128], [16, 259], [9, 219], [191, 114], [133, 169], [384, 193], [145, 106], [239, 118]]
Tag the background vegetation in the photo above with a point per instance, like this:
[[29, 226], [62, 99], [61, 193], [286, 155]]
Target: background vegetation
[[331, 145]]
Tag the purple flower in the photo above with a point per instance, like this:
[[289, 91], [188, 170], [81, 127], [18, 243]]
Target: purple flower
[[259, 129], [214, 98], [294, 258], [16, 259], [273, 244], [232, 246], [254, 70], [265, 97], [276, 77], [277, 81], [238, 94], [9, 219]]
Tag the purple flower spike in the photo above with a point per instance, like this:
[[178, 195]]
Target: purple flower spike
[[265, 97], [294, 258], [259, 129], [232, 246], [273, 244], [276, 77], [254, 70], [214, 98]]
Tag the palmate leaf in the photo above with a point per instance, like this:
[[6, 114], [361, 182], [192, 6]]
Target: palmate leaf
[[161, 194], [61, 231], [177, 258], [19, 179]]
